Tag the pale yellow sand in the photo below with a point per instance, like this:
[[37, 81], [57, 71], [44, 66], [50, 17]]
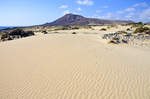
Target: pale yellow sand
[[65, 66]]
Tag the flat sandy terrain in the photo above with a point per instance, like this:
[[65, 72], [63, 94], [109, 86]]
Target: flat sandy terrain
[[67, 66]]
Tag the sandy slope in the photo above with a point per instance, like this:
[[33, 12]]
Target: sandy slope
[[69, 66]]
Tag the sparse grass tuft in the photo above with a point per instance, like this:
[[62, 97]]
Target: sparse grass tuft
[[62, 28], [112, 26], [75, 27], [87, 27], [122, 32]]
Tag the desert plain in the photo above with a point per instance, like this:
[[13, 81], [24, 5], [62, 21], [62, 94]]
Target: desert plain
[[62, 65]]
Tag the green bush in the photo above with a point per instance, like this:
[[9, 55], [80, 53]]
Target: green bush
[[141, 29], [134, 25], [75, 27], [21, 33], [17, 32]]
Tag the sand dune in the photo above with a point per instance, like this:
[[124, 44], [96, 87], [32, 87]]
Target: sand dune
[[70, 66]]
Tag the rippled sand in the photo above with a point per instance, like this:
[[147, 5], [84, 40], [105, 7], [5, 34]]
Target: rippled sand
[[65, 66]]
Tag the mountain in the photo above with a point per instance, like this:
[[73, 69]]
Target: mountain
[[2, 27], [5, 27], [148, 23], [72, 19]]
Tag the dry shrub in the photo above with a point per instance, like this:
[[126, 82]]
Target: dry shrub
[[103, 29], [142, 29]]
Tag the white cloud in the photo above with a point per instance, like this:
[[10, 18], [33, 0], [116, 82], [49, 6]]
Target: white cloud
[[141, 5], [66, 12], [107, 16], [130, 16], [79, 9], [63, 6], [120, 12], [75, 13], [99, 11], [145, 15], [127, 10], [106, 7], [130, 9], [85, 2]]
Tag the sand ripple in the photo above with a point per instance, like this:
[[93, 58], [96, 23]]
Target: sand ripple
[[72, 67]]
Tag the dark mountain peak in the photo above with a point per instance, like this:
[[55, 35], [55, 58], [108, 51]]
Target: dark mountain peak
[[73, 19], [72, 16]]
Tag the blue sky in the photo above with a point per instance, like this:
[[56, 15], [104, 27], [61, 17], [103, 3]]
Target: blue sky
[[33, 12]]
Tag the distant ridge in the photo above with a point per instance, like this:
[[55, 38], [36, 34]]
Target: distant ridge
[[2, 27], [5, 27], [72, 19], [148, 23]]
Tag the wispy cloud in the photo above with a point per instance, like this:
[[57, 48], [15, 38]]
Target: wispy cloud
[[99, 11], [140, 4], [129, 16], [85, 2], [106, 16], [79, 9], [145, 15], [63, 6], [105, 6], [120, 12], [127, 10], [66, 12], [130, 9]]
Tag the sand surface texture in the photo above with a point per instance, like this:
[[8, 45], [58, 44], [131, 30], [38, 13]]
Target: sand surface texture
[[70, 66]]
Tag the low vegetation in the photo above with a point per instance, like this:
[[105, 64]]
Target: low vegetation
[[44, 32], [72, 27], [114, 40], [75, 27], [122, 32], [135, 25], [142, 29], [4, 36], [74, 33], [87, 27], [62, 28], [112, 26], [128, 29], [122, 37], [20, 33], [103, 29], [17, 33]]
